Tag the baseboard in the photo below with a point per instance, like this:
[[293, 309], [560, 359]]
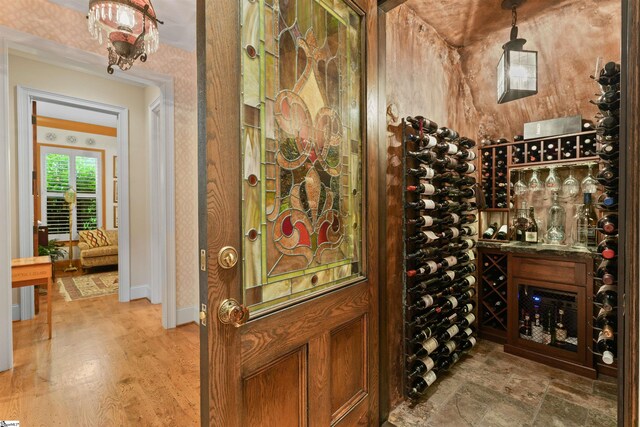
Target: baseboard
[[141, 291], [187, 315], [15, 312]]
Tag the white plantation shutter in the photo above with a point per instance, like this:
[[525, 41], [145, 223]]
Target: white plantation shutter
[[63, 168]]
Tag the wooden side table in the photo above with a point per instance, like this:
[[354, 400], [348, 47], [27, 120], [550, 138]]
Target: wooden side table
[[34, 271]]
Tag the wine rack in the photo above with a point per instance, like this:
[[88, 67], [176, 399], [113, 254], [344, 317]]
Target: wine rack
[[439, 279], [494, 177], [492, 294], [605, 314], [555, 149]]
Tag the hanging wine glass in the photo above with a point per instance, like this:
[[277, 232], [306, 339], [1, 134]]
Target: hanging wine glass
[[589, 184], [534, 182], [519, 188], [571, 186], [552, 183]]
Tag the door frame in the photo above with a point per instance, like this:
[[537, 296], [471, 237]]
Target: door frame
[[58, 54], [24, 98]]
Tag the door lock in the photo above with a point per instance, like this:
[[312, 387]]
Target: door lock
[[227, 257], [231, 312], [203, 314]]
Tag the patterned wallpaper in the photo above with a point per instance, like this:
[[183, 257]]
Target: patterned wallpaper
[[70, 28]]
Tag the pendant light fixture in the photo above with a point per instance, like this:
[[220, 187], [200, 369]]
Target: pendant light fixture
[[517, 68], [129, 27]]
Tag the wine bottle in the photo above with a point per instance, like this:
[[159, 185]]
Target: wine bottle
[[610, 151], [607, 297], [425, 221], [424, 349], [422, 366], [450, 233], [608, 102], [468, 231], [423, 237], [502, 232], [424, 141], [447, 133], [456, 247], [452, 260], [608, 126], [424, 302], [422, 171], [467, 321], [489, 232], [466, 344], [467, 143], [465, 168], [446, 148], [608, 201], [419, 123], [424, 189], [445, 349], [609, 75], [518, 138], [607, 272], [608, 177], [449, 333], [421, 384], [531, 235], [606, 346], [464, 181], [445, 178], [606, 318], [608, 224], [428, 267], [551, 152], [608, 248], [466, 155], [424, 156]]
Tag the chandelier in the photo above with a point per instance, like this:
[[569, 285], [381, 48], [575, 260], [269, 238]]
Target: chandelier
[[129, 27]]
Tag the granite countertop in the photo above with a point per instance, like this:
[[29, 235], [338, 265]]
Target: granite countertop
[[538, 249]]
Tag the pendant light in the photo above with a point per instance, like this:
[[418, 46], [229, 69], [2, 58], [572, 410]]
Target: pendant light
[[517, 68], [129, 27]]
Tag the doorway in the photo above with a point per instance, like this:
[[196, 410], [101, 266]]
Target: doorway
[[164, 202]]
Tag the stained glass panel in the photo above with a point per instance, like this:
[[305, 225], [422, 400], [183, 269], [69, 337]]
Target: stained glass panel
[[302, 148]]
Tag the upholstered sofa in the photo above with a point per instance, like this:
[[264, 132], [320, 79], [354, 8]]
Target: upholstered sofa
[[101, 255]]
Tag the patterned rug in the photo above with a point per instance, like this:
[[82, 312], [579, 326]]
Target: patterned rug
[[89, 286]]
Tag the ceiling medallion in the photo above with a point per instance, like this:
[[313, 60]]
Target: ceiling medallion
[[130, 28], [91, 141], [50, 136], [72, 139]]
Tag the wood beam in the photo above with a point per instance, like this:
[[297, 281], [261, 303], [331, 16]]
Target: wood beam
[[388, 5], [50, 122]]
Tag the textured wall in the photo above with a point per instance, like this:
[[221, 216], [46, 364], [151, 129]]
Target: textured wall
[[568, 40], [423, 78], [70, 28]]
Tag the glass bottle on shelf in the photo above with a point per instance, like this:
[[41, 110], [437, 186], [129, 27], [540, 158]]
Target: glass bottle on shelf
[[521, 222], [580, 237], [561, 331], [556, 220], [552, 183], [571, 186], [589, 183], [531, 235], [534, 182], [592, 220]]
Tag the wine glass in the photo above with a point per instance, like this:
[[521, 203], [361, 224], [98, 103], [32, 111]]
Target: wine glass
[[571, 186], [589, 184], [552, 183], [519, 188], [534, 182]]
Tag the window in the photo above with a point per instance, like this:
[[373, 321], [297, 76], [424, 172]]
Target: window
[[64, 168]]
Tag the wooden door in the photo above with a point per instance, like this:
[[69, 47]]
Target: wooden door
[[288, 167]]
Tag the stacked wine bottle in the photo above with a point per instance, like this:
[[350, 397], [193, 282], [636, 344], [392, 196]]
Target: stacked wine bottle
[[439, 262], [607, 137]]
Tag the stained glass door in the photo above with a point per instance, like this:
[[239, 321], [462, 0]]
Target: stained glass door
[[302, 149]]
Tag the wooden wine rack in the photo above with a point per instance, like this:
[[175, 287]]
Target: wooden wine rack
[[492, 294]]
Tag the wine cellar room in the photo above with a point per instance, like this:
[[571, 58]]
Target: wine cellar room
[[502, 185]]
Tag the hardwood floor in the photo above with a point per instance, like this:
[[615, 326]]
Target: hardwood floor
[[108, 364]]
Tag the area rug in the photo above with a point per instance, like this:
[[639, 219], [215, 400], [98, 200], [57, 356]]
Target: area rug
[[89, 286]]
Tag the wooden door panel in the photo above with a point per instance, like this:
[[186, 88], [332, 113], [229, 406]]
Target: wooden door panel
[[276, 395], [269, 337], [348, 366]]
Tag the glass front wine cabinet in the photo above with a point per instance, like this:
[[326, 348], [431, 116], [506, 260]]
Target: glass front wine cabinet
[[548, 317]]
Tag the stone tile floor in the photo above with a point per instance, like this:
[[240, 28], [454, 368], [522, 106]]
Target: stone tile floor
[[490, 388]]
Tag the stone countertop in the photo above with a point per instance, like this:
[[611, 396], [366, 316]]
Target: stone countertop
[[538, 249]]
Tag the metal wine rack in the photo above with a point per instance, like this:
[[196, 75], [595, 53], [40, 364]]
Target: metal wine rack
[[410, 298], [609, 369]]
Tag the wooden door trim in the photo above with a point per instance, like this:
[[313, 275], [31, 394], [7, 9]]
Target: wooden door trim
[[219, 162], [629, 231]]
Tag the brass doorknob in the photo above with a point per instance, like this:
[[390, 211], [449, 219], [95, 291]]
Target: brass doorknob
[[231, 312]]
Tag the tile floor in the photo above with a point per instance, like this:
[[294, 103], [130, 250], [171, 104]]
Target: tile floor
[[491, 388]]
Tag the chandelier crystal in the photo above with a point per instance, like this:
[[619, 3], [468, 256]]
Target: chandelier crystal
[[129, 28]]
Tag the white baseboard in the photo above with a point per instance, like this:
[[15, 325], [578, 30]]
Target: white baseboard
[[15, 312], [187, 315], [140, 291]]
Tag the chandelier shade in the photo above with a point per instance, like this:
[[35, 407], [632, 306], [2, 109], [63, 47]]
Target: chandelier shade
[[128, 27]]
